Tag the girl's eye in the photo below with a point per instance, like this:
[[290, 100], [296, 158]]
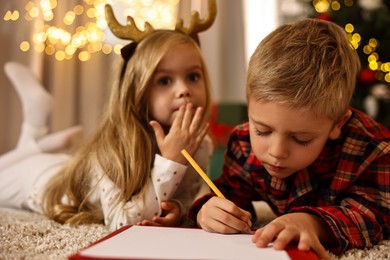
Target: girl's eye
[[164, 81], [262, 133], [194, 77], [301, 142]]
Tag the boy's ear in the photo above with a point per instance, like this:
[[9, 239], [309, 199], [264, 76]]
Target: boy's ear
[[336, 131]]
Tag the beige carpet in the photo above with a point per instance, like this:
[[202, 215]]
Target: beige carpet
[[25, 235]]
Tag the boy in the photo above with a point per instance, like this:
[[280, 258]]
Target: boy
[[323, 167]]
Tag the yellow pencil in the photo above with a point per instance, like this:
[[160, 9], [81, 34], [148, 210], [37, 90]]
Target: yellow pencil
[[202, 173]]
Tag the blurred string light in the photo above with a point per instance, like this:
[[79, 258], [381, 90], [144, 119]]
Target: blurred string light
[[381, 68], [64, 42]]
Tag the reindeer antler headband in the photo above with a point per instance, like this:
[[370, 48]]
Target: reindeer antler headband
[[131, 31]]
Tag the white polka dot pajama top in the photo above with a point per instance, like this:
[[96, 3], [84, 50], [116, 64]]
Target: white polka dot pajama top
[[169, 181]]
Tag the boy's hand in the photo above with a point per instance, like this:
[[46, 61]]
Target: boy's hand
[[223, 216], [187, 132], [170, 217], [306, 229]]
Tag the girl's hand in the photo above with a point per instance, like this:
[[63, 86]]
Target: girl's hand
[[170, 216], [187, 132], [223, 216], [304, 228]]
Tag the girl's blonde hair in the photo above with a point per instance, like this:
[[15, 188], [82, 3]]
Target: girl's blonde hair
[[124, 145], [309, 64]]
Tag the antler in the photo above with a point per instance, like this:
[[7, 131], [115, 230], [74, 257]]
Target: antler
[[130, 31], [196, 25]]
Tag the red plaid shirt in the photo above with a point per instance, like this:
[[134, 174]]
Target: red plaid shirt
[[348, 185]]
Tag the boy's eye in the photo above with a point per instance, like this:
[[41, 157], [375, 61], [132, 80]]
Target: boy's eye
[[164, 81], [194, 77], [262, 133], [302, 142]]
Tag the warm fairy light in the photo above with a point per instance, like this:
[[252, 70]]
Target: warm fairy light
[[385, 67], [39, 47], [50, 50], [60, 55], [373, 42], [371, 46], [117, 48], [107, 48], [11, 16], [84, 56], [321, 6], [63, 42], [387, 77], [24, 46], [367, 49], [349, 28], [356, 37], [374, 63], [335, 5], [348, 3]]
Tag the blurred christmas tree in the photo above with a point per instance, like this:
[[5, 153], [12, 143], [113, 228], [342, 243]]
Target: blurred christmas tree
[[367, 23]]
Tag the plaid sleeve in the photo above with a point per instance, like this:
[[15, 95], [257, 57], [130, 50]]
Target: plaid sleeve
[[362, 217], [196, 206], [241, 171], [238, 174]]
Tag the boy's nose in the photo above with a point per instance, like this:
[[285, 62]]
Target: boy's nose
[[278, 150]]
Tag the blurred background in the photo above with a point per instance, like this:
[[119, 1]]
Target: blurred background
[[72, 53]]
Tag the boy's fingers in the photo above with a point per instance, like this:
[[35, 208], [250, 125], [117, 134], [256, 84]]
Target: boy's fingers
[[283, 238], [246, 217], [306, 244], [267, 234], [237, 220]]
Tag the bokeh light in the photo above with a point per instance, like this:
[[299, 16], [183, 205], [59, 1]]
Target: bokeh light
[[62, 41]]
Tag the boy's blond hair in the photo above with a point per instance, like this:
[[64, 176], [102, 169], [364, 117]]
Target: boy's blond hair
[[309, 64]]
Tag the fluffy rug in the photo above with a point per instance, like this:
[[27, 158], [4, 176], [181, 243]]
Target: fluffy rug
[[26, 235]]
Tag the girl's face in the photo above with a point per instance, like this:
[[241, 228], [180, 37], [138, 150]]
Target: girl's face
[[286, 140], [178, 80]]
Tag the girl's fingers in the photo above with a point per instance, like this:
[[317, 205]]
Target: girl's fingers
[[202, 133], [188, 115], [197, 120], [177, 123], [158, 131]]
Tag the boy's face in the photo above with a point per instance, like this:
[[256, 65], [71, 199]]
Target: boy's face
[[178, 80], [285, 139]]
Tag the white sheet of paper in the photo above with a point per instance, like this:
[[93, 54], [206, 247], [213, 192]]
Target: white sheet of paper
[[140, 242]]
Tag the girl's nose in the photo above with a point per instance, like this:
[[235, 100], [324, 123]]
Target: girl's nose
[[184, 94], [183, 90]]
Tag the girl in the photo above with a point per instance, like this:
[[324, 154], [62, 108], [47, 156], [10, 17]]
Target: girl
[[131, 170]]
